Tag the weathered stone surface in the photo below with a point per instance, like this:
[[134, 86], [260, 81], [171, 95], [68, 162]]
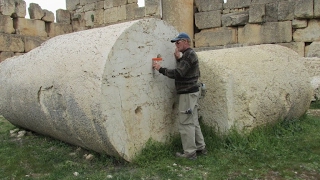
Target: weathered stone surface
[[210, 19], [48, 16], [96, 88], [308, 34], [271, 12], [89, 18], [140, 12], [303, 9], [99, 5], [257, 13], [108, 4], [216, 37], [316, 7], [7, 7], [252, 86], [264, 1], [119, 2], [72, 4], [235, 19], [5, 55], [89, 7], [6, 25], [285, 11], [296, 46], [84, 2], [99, 17], [181, 18], [153, 7], [233, 4], [131, 10], [30, 27], [35, 11], [298, 24], [314, 50], [55, 29], [11, 43], [31, 42], [212, 5], [269, 32], [312, 65], [115, 14], [132, 1], [20, 9], [63, 16]]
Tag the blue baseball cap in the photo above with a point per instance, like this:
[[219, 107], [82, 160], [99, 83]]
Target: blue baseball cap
[[180, 36]]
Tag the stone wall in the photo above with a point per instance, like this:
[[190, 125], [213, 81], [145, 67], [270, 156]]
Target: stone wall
[[291, 23]]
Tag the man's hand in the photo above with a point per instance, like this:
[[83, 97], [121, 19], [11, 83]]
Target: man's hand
[[156, 66], [177, 54]]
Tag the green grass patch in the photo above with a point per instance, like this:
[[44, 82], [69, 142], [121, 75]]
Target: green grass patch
[[287, 150]]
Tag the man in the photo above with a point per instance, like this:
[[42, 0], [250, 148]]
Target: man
[[186, 76]]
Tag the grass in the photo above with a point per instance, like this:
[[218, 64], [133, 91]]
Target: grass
[[287, 150]]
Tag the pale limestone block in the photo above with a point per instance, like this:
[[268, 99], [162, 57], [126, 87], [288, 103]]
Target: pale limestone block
[[298, 24], [233, 4], [99, 17], [285, 11], [111, 15], [31, 42], [235, 19], [269, 32], [132, 1], [314, 50], [153, 7], [48, 16], [89, 7], [316, 9], [271, 12], [20, 9], [140, 12], [216, 37], [122, 13], [89, 18], [7, 7], [119, 2], [18, 54], [11, 43], [30, 27], [303, 9], [99, 5], [212, 5], [253, 86], [5, 55], [79, 24], [263, 1], [71, 5], [181, 18], [63, 16], [257, 13], [6, 25], [308, 34], [35, 11], [56, 29], [84, 2], [108, 4], [210, 19], [295, 46], [312, 65], [96, 88], [131, 10]]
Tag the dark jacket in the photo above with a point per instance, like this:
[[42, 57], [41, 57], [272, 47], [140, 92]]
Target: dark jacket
[[186, 74]]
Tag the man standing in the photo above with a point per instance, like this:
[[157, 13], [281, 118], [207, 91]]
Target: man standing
[[186, 76]]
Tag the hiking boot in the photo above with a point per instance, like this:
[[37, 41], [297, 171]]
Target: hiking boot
[[191, 156], [203, 151]]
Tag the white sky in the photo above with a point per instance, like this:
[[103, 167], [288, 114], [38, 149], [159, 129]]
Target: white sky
[[53, 5]]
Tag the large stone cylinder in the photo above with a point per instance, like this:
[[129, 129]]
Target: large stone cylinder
[[252, 86], [95, 88]]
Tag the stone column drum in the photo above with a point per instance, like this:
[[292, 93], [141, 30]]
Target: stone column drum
[[95, 88]]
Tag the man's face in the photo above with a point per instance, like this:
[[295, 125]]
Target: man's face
[[181, 44]]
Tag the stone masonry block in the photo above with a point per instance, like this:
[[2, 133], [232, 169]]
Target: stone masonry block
[[11, 43], [303, 9], [234, 4], [63, 16], [216, 37], [212, 5], [308, 34], [89, 7], [316, 9], [99, 17], [263, 1], [210, 19], [99, 5], [119, 2], [48, 16], [132, 1], [139, 12], [272, 12], [296, 46], [55, 29], [5, 55], [313, 50], [6, 25], [7, 7], [235, 19], [298, 24], [89, 18], [269, 32], [84, 2], [108, 4], [35, 11], [152, 7], [257, 13], [286, 11], [20, 9], [115, 14], [30, 27], [130, 8], [31, 42], [72, 4]]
